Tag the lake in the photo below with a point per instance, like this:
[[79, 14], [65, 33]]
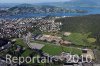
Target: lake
[[91, 10]]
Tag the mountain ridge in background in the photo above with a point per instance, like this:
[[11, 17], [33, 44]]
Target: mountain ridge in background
[[81, 3]]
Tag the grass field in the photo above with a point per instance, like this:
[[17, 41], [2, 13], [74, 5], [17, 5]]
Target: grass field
[[21, 42], [49, 48], [57, 50], [80, 39], [53, 49], [27, 53]]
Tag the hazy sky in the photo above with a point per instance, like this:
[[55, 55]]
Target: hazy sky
[[29, 1]]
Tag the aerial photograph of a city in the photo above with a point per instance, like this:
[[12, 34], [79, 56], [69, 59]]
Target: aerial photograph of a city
[[49, 32]]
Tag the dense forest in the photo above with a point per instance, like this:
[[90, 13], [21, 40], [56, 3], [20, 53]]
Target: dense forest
[[82, 24]]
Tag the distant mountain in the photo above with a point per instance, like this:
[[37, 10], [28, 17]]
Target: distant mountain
[[77, 3], [80, 3], [7, 5], [72, 7], [29, 8]]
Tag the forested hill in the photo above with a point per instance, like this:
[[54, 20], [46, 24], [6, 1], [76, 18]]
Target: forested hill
[[83, 24]]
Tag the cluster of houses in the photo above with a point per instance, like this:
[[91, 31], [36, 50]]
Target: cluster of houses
[[15, 27], [50, 26]]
